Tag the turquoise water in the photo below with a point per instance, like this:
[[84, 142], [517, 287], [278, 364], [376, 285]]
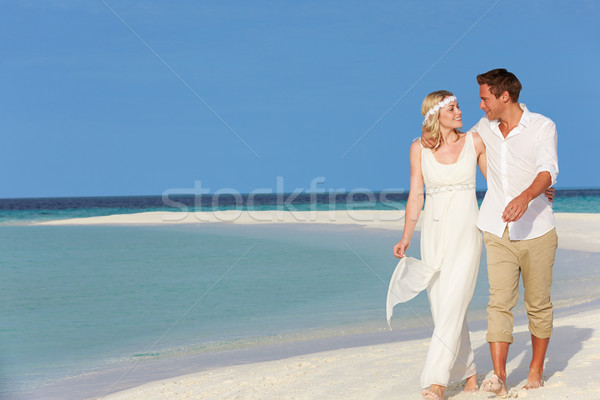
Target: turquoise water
[[80, 299]]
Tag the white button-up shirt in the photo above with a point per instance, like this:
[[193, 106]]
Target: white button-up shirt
[[512, 165]]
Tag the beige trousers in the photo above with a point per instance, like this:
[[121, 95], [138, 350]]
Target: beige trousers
[[506, 261]]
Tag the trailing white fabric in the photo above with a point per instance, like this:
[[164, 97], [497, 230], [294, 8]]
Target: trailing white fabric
[[410, 278]]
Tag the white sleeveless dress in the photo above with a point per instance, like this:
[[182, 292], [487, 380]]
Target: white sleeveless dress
[[451, 250]]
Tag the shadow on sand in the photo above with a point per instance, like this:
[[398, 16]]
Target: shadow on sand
[[566, 341]]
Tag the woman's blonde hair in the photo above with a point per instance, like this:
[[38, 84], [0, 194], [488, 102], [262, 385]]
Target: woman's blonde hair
[[432, 125]]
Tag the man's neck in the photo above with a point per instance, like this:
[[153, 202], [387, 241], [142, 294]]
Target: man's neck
[[510, 118]]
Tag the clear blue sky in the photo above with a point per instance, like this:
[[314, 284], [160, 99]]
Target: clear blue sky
[[137, 97]]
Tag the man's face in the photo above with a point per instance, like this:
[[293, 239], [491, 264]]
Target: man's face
[[491, 105]]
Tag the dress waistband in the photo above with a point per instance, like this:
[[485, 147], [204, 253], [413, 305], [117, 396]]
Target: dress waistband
[[449, 188], [440, 204]]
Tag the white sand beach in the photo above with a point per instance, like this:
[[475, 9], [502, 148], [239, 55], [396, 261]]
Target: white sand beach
[[390, 370], [577, 231]]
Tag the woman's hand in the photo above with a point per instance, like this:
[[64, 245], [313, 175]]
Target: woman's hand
[[550, 193], [401, 247]]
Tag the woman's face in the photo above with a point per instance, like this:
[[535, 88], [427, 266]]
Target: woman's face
[[450, 116]]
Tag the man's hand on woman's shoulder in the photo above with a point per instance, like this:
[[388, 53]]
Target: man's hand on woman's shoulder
[[426, 141]]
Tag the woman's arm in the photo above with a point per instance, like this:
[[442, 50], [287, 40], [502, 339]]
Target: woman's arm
[[415, 200], [481, 155]]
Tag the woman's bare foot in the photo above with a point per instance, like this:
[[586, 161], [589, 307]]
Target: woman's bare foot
[[495, 385], [435, 392], [471, 384], [534, 380]]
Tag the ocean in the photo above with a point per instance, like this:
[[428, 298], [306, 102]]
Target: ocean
[[78, 301]]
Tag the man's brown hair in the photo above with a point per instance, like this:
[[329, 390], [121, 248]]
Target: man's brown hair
[[500, 81]]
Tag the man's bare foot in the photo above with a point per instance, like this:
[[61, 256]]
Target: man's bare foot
[[534, 380], [435, 392], [471, 384], [495, 385]]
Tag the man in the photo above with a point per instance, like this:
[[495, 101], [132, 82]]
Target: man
[[517, 220]]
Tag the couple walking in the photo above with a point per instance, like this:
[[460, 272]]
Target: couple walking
[[516, 152]]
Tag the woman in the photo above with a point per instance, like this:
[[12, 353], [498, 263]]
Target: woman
[[450, 240]]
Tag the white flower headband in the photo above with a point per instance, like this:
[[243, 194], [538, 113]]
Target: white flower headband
[[439, 105]]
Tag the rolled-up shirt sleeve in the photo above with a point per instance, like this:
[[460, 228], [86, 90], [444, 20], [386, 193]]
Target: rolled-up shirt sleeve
[[546, 153]]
